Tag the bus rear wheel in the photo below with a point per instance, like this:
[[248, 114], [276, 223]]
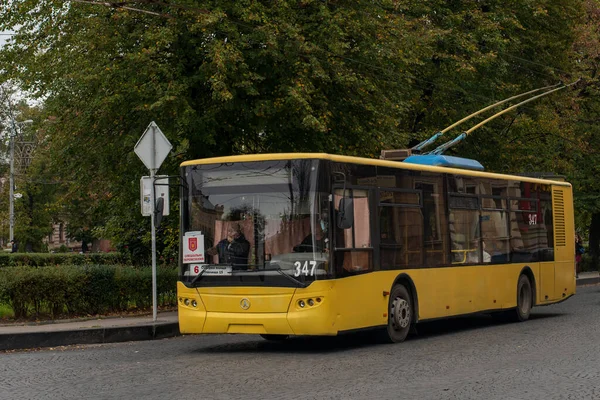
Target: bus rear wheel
[[524, 299], [400, 315], [275, 338], [524, 303]]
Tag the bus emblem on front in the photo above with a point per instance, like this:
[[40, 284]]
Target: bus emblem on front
[[193, 243], [245, 304]]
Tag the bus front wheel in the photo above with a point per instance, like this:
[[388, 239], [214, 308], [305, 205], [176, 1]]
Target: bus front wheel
[[400, 315]]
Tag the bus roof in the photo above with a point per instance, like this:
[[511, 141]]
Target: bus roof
[[366, 161]]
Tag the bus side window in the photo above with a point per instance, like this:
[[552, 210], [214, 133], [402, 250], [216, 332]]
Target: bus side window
[[464, 229]]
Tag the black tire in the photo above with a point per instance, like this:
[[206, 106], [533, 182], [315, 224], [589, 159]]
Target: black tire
[[524, 299], [524, 304], [275, 338], [400, 316]]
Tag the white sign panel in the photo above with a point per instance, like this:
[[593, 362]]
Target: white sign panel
[[153, 147], [213, 270], [193, 247], [161, 190]]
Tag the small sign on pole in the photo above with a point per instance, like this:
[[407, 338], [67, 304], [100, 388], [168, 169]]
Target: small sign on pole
[[152, 148], [161, 189]]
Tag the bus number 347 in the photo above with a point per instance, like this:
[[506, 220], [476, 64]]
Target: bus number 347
[[306, 269]]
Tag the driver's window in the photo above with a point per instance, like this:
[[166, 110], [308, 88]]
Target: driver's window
[[354, 253], [359, 234]]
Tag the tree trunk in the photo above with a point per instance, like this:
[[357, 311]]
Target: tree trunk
[[595, 238]]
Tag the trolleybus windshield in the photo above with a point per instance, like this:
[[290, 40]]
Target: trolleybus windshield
[[258, 223]]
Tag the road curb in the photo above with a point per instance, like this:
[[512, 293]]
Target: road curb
[[29, 340], [588, 281]]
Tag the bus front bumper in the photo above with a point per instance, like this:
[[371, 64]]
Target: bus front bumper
[[315, 319]]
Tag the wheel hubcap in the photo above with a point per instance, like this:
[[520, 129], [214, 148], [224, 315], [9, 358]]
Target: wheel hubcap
[[400, 314]]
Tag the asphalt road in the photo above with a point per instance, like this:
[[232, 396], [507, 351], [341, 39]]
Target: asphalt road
[[555, 355]]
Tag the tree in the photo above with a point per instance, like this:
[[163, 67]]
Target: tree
[[348, 77], [243, 77], [585, 115]]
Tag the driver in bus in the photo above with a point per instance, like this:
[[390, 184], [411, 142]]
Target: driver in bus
[[233, 249], [321, 240]]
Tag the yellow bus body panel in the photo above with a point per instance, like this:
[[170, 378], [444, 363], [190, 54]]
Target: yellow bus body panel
[[191, 319], [361, 301], [271, 310], [265, 300]]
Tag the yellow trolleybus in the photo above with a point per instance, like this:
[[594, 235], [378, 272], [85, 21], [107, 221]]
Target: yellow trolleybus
[[319, 244]]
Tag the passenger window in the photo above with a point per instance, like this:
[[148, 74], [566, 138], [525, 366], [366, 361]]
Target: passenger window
[[494, 229], [401, 237], [464, 229], [524, 243], [531, 223], [434, 220]]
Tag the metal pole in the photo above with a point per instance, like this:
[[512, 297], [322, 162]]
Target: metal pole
[[12, 183], [154, 305], [152, 174]]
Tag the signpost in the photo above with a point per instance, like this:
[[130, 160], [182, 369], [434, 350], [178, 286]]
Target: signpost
[[152, 148], [160, 185]]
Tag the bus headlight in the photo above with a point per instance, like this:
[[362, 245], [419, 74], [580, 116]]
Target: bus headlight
[[301, 303]]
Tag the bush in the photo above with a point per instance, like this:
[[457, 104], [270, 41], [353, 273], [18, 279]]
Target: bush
[[44, 259], [83, 290], [587, 263]]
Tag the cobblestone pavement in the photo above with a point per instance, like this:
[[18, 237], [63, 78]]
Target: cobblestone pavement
[[555, 355]]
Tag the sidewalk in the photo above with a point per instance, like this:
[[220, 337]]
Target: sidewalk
[[588, 278], [106, 330], [115, 329]]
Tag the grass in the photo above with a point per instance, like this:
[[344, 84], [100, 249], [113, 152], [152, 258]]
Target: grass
[[6, 311]]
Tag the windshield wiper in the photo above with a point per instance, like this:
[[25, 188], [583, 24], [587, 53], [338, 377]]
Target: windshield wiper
[[296, 281], [198, 277]]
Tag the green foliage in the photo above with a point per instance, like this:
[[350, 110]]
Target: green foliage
[[6, 311], [350, 77], [588, 264], [83, 290]]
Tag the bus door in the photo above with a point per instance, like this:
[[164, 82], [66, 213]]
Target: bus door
[[354, 222]]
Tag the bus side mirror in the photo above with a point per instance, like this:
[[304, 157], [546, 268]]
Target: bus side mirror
[[345, 216], [158, 211]]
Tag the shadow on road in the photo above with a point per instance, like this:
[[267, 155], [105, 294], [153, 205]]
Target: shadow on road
[[298, 344], [460, 324], [357, 340]]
